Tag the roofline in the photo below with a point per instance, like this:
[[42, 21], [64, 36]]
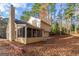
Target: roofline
[[45, 23]]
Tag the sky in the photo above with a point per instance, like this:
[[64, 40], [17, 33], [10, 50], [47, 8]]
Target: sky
[[19, 8]]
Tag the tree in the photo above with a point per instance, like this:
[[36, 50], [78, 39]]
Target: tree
[[26, 15], [52, 10], [76, 15], [69, 13], [60, 19], [36, 9], [55, 28]]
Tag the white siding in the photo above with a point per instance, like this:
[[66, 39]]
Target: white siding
[[37, 21]]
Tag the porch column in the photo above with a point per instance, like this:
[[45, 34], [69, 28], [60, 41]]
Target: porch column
[[36, 33], [75, 29], [31, 32], [25, 35]]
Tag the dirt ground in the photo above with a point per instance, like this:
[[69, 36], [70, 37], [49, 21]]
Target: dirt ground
[[64, 45]]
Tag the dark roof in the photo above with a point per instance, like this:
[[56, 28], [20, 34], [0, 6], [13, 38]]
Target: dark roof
[[24, 22], [20, 22], [5, 20]]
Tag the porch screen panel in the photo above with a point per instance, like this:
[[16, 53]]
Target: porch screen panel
[[21, 32], [28, 32], [39, 33]]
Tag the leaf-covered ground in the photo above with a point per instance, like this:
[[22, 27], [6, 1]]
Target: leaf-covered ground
[[56, 46]]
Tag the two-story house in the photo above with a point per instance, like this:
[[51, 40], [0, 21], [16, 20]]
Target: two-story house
[[34, 30]]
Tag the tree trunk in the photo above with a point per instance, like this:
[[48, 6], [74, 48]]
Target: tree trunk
[[66, 27], [70, 25], [75, 29], [60, 22]]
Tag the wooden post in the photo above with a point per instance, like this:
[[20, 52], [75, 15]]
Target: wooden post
[[31, 32], [36, 33], [25, 35]]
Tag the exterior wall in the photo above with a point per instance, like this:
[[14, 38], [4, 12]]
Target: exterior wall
[[31, 40], [21, 40], [45, 34], [35, 39], [45, 19], [34, 21], [45, 27], [2, 28], [44, 37], [2, 32]]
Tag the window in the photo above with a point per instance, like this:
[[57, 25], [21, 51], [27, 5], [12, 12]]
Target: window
[[39, 33], [28, 32], [34, 32], [21, 32]]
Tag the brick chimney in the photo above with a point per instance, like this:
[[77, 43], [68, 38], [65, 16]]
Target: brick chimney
[[11, 24]]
